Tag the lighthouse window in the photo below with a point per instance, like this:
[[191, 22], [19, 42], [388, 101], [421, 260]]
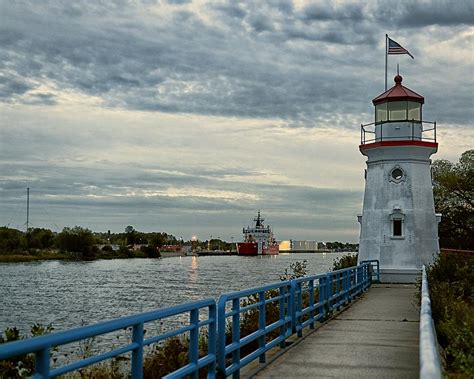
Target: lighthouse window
[[397, 174], [397, 110], [397, 219], [397, 228], [381, 112], [414, 111]]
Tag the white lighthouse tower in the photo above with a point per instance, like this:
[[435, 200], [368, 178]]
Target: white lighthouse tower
[[399, 227]]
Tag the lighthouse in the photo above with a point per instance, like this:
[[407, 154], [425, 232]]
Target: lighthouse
[[399, 226]]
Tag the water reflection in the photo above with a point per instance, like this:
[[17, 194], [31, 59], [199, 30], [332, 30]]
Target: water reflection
[[193, 272]]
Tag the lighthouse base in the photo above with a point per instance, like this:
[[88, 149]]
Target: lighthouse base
[[399, 275]]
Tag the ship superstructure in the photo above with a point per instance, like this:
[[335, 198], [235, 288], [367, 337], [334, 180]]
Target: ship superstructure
[[258, 240]]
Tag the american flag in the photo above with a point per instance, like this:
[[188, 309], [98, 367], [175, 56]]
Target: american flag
[[396, 48]]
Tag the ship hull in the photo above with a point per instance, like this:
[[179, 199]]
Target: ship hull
[[272, 250], [251, 249], [247, 248]]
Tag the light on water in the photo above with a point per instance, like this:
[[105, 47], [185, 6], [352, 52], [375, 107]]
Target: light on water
[[68, 294]]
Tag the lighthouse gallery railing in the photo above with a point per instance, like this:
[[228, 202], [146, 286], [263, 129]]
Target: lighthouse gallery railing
[[427, 133], [296, 304]]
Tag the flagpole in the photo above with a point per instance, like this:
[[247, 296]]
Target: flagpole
[[386, 59]]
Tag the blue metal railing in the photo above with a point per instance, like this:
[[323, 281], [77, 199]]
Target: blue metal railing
[[302, 302], [430, 367], [310, 301], [234, 305], [374, 269], [243, 325], [41, 346]]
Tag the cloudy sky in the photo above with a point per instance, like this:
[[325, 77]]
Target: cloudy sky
[[188, 116]]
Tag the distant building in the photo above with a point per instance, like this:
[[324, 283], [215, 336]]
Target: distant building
[[285, 245], [305, 245], [171, 248]]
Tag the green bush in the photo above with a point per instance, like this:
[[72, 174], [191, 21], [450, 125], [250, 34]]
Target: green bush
[[348, 260], [23, 365], [452, 303], [11, 240], [172, 355], [150, 251], [40, 238], [296, 270], [77, 240]]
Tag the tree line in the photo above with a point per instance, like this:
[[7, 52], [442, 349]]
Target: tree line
[[82, 241], [453, 189]]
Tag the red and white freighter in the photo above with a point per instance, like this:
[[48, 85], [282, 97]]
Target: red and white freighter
[[258, 240]]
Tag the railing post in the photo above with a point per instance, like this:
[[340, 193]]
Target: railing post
[[358, 279], [282, 317], [311, 303], [298, 307], [322, 296], [347, 282], [236, 335], [329, 291], [221, 337], [368, 276], [194, 340], [137, 353], [212, 340], [292, 306], [261, 324], [42, 363]]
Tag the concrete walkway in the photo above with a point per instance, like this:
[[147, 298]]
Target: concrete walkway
[[377, 337]]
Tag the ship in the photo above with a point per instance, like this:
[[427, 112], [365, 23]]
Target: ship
[[258, 240]]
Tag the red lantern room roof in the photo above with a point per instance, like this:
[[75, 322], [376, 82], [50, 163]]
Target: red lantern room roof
[[398, 93]]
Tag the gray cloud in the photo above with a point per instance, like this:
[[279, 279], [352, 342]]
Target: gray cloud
[[417, 14], [254, 61], [330, 12], [11, 86]]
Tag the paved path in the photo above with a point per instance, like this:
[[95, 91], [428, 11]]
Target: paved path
[[377, 337]]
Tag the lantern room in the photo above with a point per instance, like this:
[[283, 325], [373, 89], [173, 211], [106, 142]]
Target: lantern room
[[398, 104], [398, 117]]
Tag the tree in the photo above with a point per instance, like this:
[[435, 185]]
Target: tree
[[78, 240], [130, 232], [157, 239], [11, 240], [454, 199], [150, 251], [40, 238]]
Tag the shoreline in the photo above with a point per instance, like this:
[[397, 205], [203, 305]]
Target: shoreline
[[56, 256], [25, 258]]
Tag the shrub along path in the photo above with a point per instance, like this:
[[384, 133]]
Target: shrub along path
[[377, 337]]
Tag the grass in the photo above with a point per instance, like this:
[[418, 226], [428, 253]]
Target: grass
[[52, 254], [34, 255]]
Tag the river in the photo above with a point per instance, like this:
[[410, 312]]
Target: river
[[68, 294]]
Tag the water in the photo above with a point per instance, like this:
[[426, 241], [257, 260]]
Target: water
[[68, 294]]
